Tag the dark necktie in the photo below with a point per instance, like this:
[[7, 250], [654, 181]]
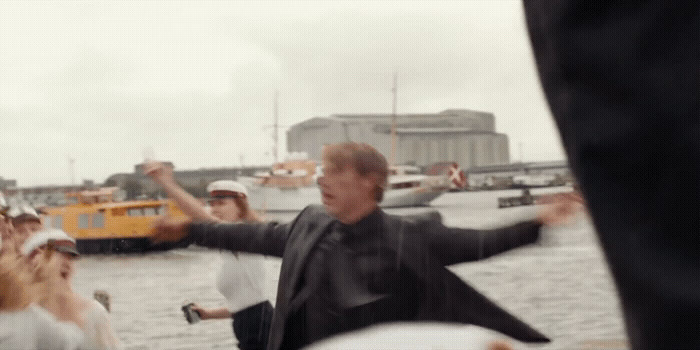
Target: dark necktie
[[317, 265]]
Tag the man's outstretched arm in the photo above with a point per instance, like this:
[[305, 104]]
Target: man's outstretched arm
[[258, 238], [456, 245]]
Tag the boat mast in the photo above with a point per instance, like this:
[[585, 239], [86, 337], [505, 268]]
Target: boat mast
[[276, 127], [392, 159]]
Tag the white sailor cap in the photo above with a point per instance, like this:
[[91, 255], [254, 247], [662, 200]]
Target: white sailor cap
[[23, 212], [224, 188], [53, 237]]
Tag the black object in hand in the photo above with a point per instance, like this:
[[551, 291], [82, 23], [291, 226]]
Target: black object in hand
[[191, 316]]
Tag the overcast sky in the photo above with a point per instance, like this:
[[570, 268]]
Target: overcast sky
[[102, 81]]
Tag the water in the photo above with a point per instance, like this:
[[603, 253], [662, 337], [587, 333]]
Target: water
[[561, 286]]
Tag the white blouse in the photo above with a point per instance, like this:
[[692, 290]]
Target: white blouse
[[241, 280]]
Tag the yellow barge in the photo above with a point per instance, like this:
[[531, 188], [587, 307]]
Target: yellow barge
[[102, 224]]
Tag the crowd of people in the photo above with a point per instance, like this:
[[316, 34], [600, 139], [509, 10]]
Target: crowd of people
[[345, 265], [38, 307]]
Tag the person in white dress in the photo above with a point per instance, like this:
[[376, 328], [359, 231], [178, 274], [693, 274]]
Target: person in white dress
[[64, 303], [23, 323], [242, 275]]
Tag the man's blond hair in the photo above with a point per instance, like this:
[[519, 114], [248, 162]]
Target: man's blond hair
[[365, 159]]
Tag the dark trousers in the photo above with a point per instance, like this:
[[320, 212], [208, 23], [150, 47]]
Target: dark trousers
[[251, 326], [623, 82]]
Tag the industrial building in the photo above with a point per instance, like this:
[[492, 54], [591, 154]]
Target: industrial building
[[7, 183], [463, 136], [195, 181]]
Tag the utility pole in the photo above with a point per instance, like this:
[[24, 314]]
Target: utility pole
[[392, 159]]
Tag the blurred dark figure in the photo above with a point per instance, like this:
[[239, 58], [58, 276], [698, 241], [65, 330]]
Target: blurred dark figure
[[623, 82]]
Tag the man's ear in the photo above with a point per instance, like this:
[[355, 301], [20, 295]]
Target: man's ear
[[368, 181], [371, 181]]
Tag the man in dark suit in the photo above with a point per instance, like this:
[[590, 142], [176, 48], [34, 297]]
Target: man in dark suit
[[623, 82], [348, 265]]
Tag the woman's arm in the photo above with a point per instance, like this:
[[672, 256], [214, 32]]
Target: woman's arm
[[208, 314], [191, 206]]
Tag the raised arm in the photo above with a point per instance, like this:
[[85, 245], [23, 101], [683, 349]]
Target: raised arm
[[191, 206]]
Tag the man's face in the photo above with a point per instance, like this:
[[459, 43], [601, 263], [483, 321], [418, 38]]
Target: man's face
[[25, 229], [67, 267], [65, 262], [343, 189], [225, 209]]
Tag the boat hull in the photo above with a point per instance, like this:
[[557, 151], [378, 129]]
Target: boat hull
[[272, 199], [266, 199], [409, 197]]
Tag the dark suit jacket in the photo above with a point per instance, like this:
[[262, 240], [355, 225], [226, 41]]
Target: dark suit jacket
[[623, 81], [422, 243]]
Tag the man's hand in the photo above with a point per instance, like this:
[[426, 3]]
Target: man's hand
[[559, 208], [169, 229]]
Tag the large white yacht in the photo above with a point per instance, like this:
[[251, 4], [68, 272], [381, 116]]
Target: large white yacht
[[291, 186]]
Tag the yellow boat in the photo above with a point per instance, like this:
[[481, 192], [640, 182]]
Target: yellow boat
[[102, 224]]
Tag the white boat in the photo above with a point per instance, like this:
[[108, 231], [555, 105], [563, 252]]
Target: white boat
[[291, 186], [413, 190]]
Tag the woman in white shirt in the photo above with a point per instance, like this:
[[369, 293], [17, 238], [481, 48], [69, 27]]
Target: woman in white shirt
[[242, 275]]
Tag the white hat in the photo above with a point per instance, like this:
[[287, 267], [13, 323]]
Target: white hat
[[58, 239], [226, 186], [24, 211], [3, 204]]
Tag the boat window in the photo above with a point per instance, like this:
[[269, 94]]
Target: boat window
[[57, 221], [98, 220], [83, 220], [135, 212], [150, 211], [405, 185]]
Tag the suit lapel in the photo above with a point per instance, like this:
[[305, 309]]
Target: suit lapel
[[305, 240], [311, 224]]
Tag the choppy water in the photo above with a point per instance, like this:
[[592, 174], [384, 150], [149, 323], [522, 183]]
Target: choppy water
[[561, 286]]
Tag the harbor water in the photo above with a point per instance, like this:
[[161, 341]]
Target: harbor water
[[561, 285]]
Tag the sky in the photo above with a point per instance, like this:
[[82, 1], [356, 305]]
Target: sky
[[90, 88]]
